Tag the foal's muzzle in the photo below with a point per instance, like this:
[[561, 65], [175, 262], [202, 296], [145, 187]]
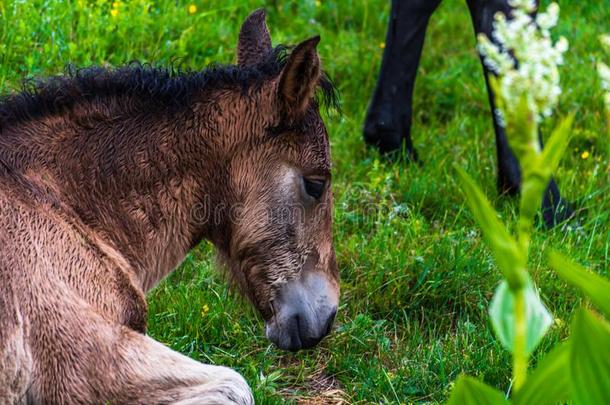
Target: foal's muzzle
[[305, 309]]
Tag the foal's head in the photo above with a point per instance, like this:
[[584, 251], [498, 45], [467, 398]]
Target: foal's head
[[280, 247]]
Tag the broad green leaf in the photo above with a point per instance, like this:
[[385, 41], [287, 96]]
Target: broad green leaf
[[549, 384], [590, 359], [502, 313], [596, 288], [505, 250], [470, 391]]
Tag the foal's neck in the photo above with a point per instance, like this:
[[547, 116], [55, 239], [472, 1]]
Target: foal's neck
[[143, 182]]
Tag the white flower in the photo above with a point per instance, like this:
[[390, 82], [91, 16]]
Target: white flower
[[605, 40], [561, 45], [527, 5], [548, 20], [604, 74], [521, 38], [604, 71]]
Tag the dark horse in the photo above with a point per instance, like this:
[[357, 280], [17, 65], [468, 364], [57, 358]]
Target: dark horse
[[388, 121], [109, 176]]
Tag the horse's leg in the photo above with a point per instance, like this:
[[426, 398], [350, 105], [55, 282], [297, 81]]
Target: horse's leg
[[509, 173], [388, 119], [83, 358], [554, 208], [161, 375]]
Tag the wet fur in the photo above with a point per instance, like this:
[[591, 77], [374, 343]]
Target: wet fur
[[100, 173]]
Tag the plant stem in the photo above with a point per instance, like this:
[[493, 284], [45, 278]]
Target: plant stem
[[520, 358], [524, 229]]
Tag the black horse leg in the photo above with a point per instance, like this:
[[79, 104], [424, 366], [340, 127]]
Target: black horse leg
[[509, 173], [388, 119], [554, 208]]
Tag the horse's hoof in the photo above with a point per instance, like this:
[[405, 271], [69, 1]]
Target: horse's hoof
[[557, 214], [389, 142], [508, 185], [385, 139]]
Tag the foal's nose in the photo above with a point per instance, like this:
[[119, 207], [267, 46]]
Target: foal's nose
[[301, 332], [305, 311]]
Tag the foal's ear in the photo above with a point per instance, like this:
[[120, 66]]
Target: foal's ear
[[254, 40], [299, 79]]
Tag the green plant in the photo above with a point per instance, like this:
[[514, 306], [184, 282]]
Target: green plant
[[578, 369]]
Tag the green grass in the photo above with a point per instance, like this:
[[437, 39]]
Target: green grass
[[416, 276]]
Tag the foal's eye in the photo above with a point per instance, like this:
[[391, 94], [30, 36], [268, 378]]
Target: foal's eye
[[314, 187]]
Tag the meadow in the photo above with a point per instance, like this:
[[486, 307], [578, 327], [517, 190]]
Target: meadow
[[417, 277]]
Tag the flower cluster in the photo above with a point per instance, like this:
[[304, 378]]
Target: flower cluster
[[524, 58]]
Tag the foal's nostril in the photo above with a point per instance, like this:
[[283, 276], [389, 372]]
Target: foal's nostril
[[294, 333], [308, 340]]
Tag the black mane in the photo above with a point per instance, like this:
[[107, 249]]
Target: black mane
[[164, 87]]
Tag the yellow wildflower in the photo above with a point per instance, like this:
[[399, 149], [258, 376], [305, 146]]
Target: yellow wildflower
[[585, 155], [382, 45], [318, 3], [205, 309], [115, 4], [114, 12], [192, 9]]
